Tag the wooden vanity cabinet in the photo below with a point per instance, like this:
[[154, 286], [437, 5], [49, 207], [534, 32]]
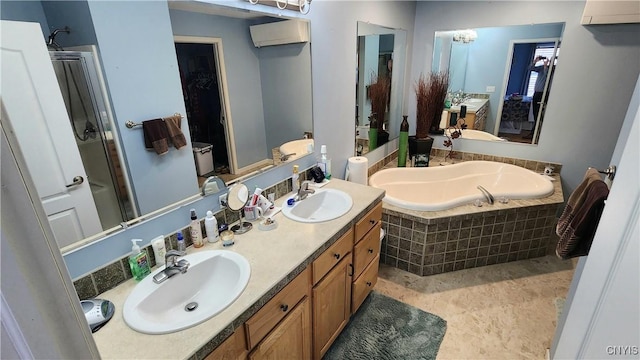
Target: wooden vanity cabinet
[[366, 256], [331, 294], [234, 348], [282, 327]]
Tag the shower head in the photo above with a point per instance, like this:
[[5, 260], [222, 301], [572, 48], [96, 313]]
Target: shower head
[[51, 42]]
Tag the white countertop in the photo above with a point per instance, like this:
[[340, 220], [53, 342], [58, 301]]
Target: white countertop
[[272, 255], [471, 107]]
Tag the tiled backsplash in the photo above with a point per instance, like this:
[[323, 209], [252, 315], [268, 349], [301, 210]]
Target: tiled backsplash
[[117, 272]]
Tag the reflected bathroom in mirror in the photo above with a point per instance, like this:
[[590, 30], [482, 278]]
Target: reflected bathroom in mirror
[[503, 75], [246, 93], [381, 62], [259, 96]]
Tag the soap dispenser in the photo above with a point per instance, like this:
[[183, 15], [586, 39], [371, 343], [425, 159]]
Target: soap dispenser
[[138, 261]]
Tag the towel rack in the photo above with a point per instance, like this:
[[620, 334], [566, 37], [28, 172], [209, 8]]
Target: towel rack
[[130, 124], [610, 172]]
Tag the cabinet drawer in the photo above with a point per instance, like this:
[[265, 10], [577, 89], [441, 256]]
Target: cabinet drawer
[[366, 250], [364, 284], [332, 256], [368, 221], [261, 323]]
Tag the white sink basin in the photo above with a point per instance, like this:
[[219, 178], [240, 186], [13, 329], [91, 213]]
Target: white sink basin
[[295, 148], [473, 101], [213, 281], [323, 205]]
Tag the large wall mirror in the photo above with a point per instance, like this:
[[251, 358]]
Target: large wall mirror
[[381, 58], [267, 101], [510, 66]]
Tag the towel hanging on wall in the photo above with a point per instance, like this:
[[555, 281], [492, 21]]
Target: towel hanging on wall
[[175, 133], [156, 136], [581, 222]]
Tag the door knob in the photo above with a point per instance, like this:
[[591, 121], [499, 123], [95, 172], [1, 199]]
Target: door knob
[[77, 180]]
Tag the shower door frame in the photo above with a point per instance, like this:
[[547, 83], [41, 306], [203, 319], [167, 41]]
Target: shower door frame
[[88, 56]]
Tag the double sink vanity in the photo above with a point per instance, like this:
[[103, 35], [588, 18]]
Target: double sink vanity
[[306, 279]]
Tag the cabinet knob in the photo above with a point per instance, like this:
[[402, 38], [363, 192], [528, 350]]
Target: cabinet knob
[[370, 251], [337, 256], [284, 307], [372, 221], [368, 283]]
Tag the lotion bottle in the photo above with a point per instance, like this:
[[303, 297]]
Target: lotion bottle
[[211, 226], [196, 230], [159, 249], [295, 179], [138, 261], [181, 245], [325, 161]]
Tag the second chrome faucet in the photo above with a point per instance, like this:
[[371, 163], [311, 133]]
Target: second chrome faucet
[[487, 195]]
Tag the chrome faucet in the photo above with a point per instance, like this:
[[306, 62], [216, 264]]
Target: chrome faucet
[[487, 195], [172, 267], [286, 157], [304, 190]]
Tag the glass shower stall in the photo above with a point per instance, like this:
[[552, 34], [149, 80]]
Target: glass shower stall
[[87, 107]]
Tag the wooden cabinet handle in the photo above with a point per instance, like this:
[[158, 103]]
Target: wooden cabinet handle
[[284, 307], [337, 256], [368, 283], [370, 251]]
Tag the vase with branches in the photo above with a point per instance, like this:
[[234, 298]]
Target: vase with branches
[[431, 93], [378, 95]]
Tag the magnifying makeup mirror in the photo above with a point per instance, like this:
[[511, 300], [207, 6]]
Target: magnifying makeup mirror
[[237, 198]]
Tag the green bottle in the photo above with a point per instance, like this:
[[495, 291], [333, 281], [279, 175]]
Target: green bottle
[[373, 132], [138, 261], [403, 142]]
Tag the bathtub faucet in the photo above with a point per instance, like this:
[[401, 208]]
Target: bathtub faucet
[[487, 194]]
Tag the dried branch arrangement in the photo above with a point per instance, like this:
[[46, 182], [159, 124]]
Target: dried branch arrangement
[[431, 93], [378, 94]]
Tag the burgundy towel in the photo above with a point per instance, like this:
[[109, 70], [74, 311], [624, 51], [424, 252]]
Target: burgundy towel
[[156, 136], [576, 200], [175, 133], [578, 236]]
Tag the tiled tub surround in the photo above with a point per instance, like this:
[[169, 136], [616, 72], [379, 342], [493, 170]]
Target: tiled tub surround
[[276, 257], [434, 242]]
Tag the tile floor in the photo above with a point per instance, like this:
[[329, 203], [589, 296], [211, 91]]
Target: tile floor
[[503, 311]]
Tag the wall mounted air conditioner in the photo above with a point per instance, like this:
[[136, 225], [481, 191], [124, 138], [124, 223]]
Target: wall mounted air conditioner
[[611, 12], [279, 33]]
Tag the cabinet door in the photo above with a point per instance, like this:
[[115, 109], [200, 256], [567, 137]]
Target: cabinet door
[[291, 339], [363, 285], [331, 306], [234, 348]]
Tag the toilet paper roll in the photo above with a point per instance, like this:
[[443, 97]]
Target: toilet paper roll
[[357, 167]]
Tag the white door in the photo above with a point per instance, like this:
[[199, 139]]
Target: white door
[[33, 108]]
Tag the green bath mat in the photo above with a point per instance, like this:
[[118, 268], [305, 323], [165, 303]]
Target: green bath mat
[[384, 328]]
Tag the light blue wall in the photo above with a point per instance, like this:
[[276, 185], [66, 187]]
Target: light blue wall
[[592, 85], [488, 59], [30, 11], [141, 71], [75, 15], [242, 66], [286, 87]]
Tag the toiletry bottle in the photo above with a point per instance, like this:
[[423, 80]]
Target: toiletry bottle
[[325, 161], [211, 226], [403, 142], [159, 249], [295, 179], [181, 245], [196, 230], [138, 261]]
